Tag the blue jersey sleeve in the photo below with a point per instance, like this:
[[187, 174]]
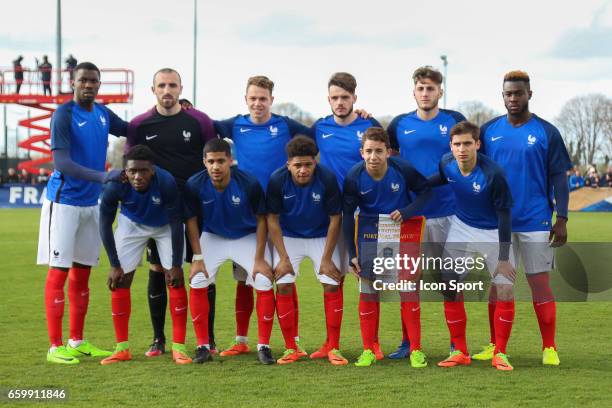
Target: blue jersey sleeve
[[224, 128], [191, 195], [274, 193], [350, 202], [117, 126], [257, 198], [558, 158], [333, 197], [108, 210], [483, 134], [296, 128], [500, 191], [456, 115], [61, 127], [374, 122], [392, 131], [416, 184]]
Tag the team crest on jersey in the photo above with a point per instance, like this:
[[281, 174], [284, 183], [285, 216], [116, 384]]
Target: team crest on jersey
[[235, 200], [316, 197], [443, 130], [359, 135], [186, 136], [395, 187], [476, 187], [103, 120], [273, 130], [156, 200], [531, 140]]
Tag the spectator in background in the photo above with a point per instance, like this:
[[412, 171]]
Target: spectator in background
[[1, 177], [608, 177], [45, 74], [12, 176], [593, 179], [18, 71], [42, 177], [25, 177], [576, 180], [71, 64]]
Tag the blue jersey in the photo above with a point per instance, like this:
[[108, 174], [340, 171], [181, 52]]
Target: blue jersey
[[423, 143], [386, 195], [260, 148], [529, 154], [304, 210], [478, 195], [230, 213], [85, 135], [154, 207], [339, 145]]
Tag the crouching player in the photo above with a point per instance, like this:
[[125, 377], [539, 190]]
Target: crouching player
[[481, 225], [150, 209], [382, 185], [304, 207], [233, 213]]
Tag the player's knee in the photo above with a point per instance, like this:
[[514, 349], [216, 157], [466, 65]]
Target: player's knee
[[156, 268], [262, 282], [505, 292], [330, 288], [126, 282], [284, 288], [200, 281]]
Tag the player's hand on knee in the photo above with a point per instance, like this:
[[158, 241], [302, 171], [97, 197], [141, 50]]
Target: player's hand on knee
[[328, 268], [197, 267], [283, 268], [505, 269], [355, 268], [558, 233], [115, 276], [174, 277], [263, 267], [396, 216]]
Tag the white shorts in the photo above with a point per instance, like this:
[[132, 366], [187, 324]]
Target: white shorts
[[466, 242], [534, 251], [68, 234], [217, 250], [131, 240], [436, 229], [300, 248]]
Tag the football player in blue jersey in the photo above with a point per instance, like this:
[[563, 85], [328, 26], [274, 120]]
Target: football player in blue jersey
[[259, 141], [421, 137], [151, 208], [232, 207], [304, 207], [381, 184], [69, 241], [480, 227], [534, 157]]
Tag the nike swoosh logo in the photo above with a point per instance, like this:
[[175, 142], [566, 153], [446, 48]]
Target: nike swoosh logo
[[283, 316], [416, 308], [338, 310], [504, 320], [64, 358], [85, 293], [288, 197], [243, 130], [155, 296], [365, 314], [56, 301], [325, 136], [81, 124], [266, 318], [454, 321], [495, 138], [180, 309], [208, 202], [195, 318], [150, 137], [407, 132], [365, 192], [118, 314], [543, 303]]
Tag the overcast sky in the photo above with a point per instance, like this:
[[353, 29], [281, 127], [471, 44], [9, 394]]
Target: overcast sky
[[566, 47]]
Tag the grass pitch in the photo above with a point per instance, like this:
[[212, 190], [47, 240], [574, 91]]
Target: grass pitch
[[583, 339]]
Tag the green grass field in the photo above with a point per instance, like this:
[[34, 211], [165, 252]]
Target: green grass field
[[583, 379]]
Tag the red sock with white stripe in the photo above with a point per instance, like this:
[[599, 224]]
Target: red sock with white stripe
[[367, 319], [296, 313], [121, 306], [198, 305], [545, 307], [54, 304], [456, 320], [333, 317], [265, 315], [491, 306], [411, 316], [504, 317], [178, 311], [244, 308], [78, 300], [285, 310]]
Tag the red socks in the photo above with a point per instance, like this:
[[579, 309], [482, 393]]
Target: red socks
[[265, 315], [121, 307], [456, 320], [198, 303], [295, 312], [491, 306], [285, 310], [178, 311], [544, 306], [54, 304], [333, 317], [78, 299], [504, 317], [368, 310], [244, 308], [411, 317]]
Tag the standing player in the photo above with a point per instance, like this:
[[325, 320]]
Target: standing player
[[535, 159], [382, 185], [482, 225], [151, 208], [233, 227], [421, 137], [177, 137], [304, 206], [259, 140], [69, 241]]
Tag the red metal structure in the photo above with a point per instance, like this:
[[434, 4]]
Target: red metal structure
[[117, 87]]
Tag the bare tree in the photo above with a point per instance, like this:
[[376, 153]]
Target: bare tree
[[476, 112], [586, 124], [294, 112], [115, 152]]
